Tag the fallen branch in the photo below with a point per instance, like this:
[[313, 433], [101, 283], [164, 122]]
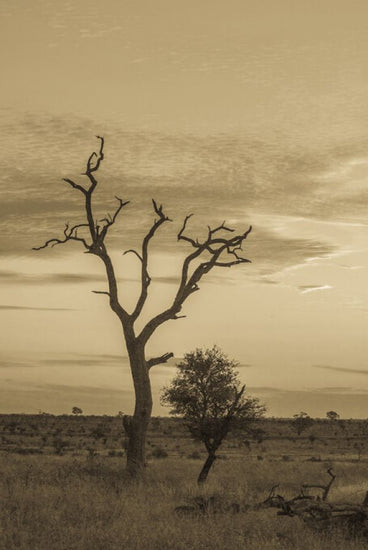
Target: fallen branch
[[319, 514]]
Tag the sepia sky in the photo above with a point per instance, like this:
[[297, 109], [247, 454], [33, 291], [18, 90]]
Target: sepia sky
[[249, 112]]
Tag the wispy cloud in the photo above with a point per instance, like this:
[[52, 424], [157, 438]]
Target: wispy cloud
[[86, 361], [5, 307], [49, 278], [342, 369], [214, 175], [305, 289], [65, 360]]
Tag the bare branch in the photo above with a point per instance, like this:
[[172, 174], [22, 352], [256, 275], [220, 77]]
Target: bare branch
[[77, 226], [75, 185], [93, 164], [159, 360], [131, 250], [145, 278], [98, 157], [70, 234], [221, 227], [182, 237], [111, 220], [234, 262], [325, 488], [272, 491], [100, 292], [50, 242], [159, 211], [214, 246]]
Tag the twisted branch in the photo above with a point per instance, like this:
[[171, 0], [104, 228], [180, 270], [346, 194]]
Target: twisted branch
[[94, 244], [143, 257], [91, 168], [70, 234], [214, 247], [109, 221], [96, 232]]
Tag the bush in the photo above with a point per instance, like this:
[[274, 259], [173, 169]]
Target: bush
[[113, 452], [195, 455], [159, 453], [59, 446], [27, 451]]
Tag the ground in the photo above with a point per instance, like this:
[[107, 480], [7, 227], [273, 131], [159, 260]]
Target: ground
[[65, 488]]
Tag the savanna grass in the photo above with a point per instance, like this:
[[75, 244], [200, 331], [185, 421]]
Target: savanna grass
[[69, 503]]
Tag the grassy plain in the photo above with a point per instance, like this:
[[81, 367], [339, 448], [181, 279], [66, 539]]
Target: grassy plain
[[77, 497]]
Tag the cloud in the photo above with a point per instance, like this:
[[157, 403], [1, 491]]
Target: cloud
[[342, 369], [65, 360], [4, 307], [267, 281], [338, 389], [305, 289], [15, 363], [271, 252], [169, 280], [14, 277], [214, 177], [86, 361], [49, 278], [63, 278]]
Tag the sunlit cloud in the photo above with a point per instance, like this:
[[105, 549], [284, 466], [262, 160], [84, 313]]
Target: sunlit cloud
[[305, 289], [5, 307]]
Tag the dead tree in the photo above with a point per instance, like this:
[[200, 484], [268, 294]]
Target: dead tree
[[216, 250]]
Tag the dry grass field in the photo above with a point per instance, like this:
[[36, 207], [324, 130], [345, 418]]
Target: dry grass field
[[79, 499]]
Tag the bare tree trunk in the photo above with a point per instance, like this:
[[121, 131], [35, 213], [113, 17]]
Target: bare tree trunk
[[206, 468], [136, 426]]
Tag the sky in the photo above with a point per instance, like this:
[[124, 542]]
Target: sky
[[249, 112]]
